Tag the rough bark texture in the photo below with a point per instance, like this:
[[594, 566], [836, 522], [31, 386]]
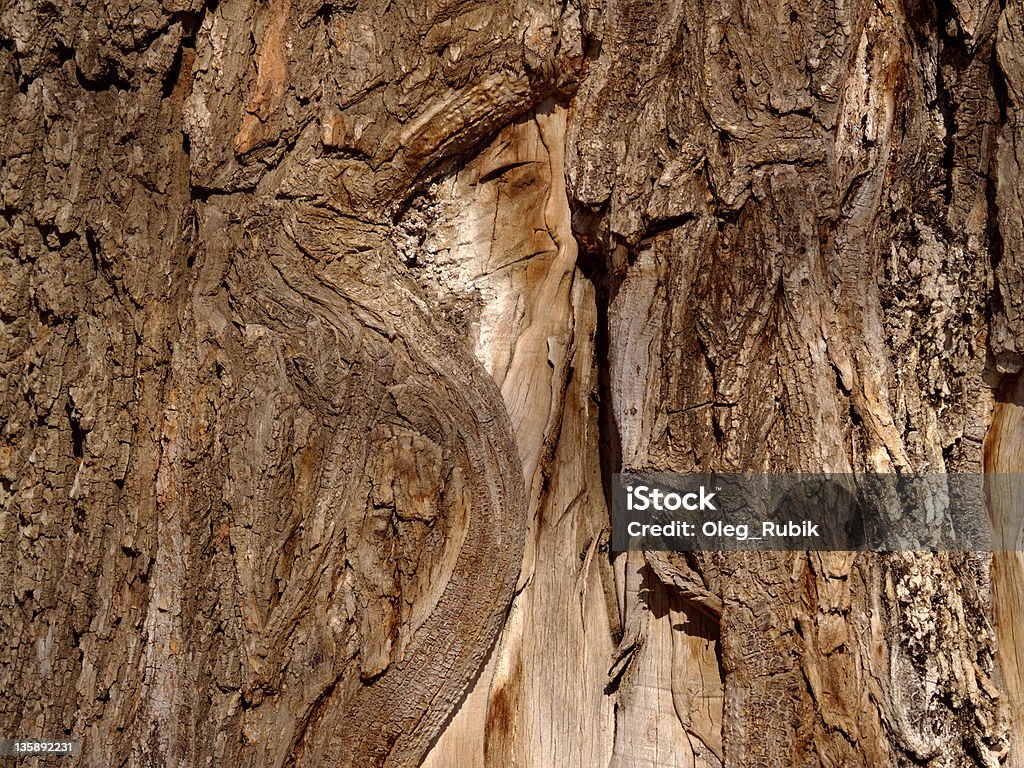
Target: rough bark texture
[[325, 324]]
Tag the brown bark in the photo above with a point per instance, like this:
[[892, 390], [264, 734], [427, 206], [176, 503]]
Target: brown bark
[[325, 326]]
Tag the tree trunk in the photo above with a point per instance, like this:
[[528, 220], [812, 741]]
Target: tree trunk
[[325, 326]]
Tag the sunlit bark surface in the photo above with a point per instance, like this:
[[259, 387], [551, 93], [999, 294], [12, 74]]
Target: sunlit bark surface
[[324, 326]]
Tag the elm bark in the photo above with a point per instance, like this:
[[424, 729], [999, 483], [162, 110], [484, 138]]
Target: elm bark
[[325, 324]]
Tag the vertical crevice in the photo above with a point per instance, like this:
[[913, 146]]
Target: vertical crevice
[[596, 265], [674, 618], [78, 434]]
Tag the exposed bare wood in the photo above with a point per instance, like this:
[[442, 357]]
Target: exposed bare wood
[[323, 327]]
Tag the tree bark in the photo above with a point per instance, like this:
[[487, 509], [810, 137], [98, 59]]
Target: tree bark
[[325, 326]]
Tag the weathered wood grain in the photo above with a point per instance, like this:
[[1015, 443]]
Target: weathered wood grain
[[323, 326]]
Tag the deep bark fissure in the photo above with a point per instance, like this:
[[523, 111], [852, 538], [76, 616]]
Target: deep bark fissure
[[183, 402], [594, 264]]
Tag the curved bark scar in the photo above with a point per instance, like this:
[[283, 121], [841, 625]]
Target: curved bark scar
[[393, 720]]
